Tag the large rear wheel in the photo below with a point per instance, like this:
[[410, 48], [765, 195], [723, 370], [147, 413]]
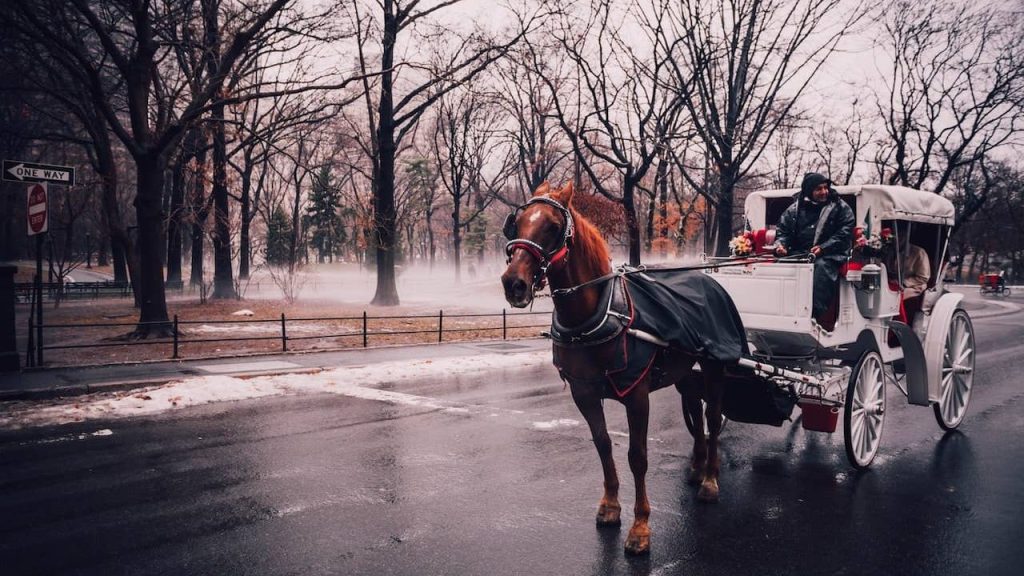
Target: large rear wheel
[[957, 372], [864, 413]]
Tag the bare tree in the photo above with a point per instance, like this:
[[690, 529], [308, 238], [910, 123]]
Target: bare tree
[[538, 145], [58, 90], [740, 67], [465, 137], [395, 104], [625, 114], [124, 49], [954, 92]]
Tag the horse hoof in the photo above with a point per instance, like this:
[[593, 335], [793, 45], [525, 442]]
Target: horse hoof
[[695, 477], [708, 492], [638, 544], [609, 516]]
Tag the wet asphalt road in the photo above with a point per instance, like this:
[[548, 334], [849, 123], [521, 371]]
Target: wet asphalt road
[[339, 485]]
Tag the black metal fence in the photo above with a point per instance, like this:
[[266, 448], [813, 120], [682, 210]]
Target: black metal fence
[[73, 290], [359, 328]]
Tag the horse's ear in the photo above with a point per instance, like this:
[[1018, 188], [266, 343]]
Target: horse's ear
[[564, 195], [543, 189]]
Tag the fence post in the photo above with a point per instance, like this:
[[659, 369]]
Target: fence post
[[175, 355], [30, 348], [284, 335], [504, 325], [440, 326], [364, 328]]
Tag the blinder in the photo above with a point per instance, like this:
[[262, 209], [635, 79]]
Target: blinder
[[509, 229]]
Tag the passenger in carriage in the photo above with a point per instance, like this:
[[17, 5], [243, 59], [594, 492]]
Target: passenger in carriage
[[915, 267], [915, 271], [819, 223]]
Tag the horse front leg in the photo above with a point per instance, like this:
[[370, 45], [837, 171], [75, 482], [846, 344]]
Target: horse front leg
[[713, 391], [609, 510], [638, 541]]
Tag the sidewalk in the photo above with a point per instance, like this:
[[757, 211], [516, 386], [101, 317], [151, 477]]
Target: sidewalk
[[73, 381]]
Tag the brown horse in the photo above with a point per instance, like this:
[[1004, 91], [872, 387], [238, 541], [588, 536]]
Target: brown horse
[[550, 241]]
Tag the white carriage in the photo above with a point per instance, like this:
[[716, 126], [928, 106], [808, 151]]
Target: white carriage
[[846, 369]]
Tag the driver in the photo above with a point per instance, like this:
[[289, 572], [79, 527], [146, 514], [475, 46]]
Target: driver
[[821, 224]]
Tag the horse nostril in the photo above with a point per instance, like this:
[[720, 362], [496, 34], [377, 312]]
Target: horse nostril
[[520, 287], [515, 287]]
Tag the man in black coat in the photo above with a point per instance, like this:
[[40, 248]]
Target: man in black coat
[[819, 223]]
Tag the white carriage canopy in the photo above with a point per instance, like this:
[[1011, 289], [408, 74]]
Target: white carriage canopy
[[884, 203]]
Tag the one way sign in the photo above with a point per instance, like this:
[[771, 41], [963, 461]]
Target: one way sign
[[17, 171]]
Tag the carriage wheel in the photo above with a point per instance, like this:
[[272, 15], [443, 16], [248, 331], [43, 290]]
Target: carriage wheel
[[691, 426], [864, 414], [1005, 291], [957, 372]]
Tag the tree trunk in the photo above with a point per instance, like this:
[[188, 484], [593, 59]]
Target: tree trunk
[[176, 219], [651, 209], [174, 222], [632, 223], [384, 197], [430, 238], [457, 241], [199, 213], [101, 251], [244, 243], [723, 215], [121, 248], [153, 320], [223, 276]]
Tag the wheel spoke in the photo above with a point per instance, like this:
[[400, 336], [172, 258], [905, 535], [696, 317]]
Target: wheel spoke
[[967, 353], [947, 387], [960, 393], [963, 340]]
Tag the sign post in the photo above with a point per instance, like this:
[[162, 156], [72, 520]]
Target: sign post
[[38, 224], [37, 176]]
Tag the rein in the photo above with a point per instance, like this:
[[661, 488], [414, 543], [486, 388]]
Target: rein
[[559, 256], [625, 270]]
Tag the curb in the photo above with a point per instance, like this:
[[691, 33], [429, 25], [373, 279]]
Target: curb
[[121, 385]]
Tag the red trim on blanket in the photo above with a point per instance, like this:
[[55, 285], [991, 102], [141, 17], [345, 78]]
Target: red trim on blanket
[[610, 374]]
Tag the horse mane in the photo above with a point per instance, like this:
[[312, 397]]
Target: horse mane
[[589, 245]]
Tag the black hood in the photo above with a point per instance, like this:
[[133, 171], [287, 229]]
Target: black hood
[[811, 181]]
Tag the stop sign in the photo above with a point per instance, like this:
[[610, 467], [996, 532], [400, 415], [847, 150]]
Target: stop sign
[[37, 220]]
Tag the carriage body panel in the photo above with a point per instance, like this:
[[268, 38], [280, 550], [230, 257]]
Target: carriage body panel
[[774, 301]]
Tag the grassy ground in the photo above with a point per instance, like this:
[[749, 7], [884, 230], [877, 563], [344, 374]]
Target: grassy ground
[[328, 316]]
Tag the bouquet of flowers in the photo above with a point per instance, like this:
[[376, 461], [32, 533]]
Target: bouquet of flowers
[[742, 245]]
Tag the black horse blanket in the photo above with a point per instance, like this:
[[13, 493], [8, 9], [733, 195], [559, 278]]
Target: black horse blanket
[[687, 309]]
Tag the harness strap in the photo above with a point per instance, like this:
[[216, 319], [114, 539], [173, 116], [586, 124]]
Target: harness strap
[[625, 270]]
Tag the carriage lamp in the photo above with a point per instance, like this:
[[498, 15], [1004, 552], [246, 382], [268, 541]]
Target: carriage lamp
[[870, 277]]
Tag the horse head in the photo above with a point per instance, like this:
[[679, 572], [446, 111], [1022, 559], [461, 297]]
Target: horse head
[[539, 235]]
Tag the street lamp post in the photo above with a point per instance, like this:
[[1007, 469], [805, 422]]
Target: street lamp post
[[88, 250]]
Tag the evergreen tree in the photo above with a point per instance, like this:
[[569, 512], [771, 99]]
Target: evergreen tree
[[279, 233], [322, 215]]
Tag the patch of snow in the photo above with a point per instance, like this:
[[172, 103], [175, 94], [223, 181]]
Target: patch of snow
[[560, 423], [355, 382], [268, 327], [243, 312]]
